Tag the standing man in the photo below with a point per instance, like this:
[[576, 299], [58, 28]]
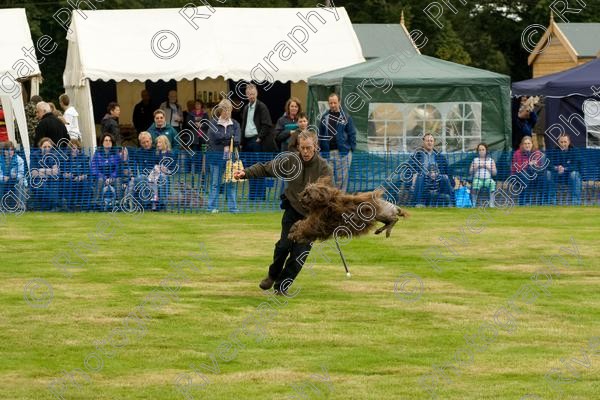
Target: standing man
[[300, 169], [337, 137], [142, 113], [71, 117], [49, 126], [32, 120], [173, 111], [523, 122], [110, 122], [257, 136]]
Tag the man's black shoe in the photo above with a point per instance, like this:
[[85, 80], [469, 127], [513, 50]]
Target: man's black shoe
[[266, 283]]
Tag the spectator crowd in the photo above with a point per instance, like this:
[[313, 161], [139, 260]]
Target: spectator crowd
[[194, 140]]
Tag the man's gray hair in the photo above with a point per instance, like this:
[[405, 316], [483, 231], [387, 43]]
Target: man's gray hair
[[43, 106], [251, 86], [145, 134], [309, 134]]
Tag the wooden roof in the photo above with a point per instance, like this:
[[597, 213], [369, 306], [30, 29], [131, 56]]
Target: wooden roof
[[580, 40]]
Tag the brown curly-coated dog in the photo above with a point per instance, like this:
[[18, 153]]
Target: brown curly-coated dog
[[330, 209]]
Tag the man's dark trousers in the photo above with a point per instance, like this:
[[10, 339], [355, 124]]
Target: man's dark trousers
[[256, 187], [284, 248]]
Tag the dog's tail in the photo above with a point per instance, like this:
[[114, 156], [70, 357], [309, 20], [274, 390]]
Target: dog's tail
[[402, 213]]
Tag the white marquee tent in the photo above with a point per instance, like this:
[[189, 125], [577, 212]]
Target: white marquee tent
[[264, 44], [14, 65]]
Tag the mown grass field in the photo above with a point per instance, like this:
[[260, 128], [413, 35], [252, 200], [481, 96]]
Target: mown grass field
[[377, 335]]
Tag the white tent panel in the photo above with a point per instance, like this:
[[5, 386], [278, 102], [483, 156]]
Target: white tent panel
[[15, 110], [14, 36], [236, 43]]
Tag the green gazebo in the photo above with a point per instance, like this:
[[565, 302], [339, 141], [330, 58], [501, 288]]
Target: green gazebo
[[393, 100]]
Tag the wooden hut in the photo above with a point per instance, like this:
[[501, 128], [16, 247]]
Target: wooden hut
[[564, 46]]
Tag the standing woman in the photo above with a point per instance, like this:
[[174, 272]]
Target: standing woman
[[196, 120], [483, 168], [222, 129], [287, 123], [173, 111]]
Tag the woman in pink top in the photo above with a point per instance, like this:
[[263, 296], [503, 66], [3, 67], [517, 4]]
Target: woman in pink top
[[528, 166]]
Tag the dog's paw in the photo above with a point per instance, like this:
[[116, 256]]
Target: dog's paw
[[403, 213], [294, 233]]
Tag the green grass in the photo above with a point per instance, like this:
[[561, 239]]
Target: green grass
[[372, 341]]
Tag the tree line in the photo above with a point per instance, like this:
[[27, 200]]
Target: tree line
[[480, 34]]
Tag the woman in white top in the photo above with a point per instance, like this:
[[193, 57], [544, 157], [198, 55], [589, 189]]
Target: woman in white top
[[483, 168]]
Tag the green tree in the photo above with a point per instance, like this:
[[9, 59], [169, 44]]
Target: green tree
[[450, 47], [482, 34]]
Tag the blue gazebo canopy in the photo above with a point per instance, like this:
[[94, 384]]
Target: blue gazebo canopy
[[577, 81]]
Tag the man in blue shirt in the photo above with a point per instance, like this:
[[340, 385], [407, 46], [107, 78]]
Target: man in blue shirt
[[430, 173], [524, 119], [337, 139], [257, 136]]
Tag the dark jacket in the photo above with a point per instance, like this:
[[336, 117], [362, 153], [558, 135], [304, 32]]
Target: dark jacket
[[51, 127], [417, 162], [38, 161], [282, 137], [197, 123], [219, 137], [264, 126], [110, 125], [105, 165], [143, 161], [570, 159], [345, 135], [522, 127], [77, 165], [143, 116], [298, 174]]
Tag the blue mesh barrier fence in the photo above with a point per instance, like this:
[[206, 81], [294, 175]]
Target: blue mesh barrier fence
[[66, 180]]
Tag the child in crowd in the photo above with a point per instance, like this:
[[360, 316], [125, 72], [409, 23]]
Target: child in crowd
[[302, 126], [158, 178], [483, 168], [12, 176]]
